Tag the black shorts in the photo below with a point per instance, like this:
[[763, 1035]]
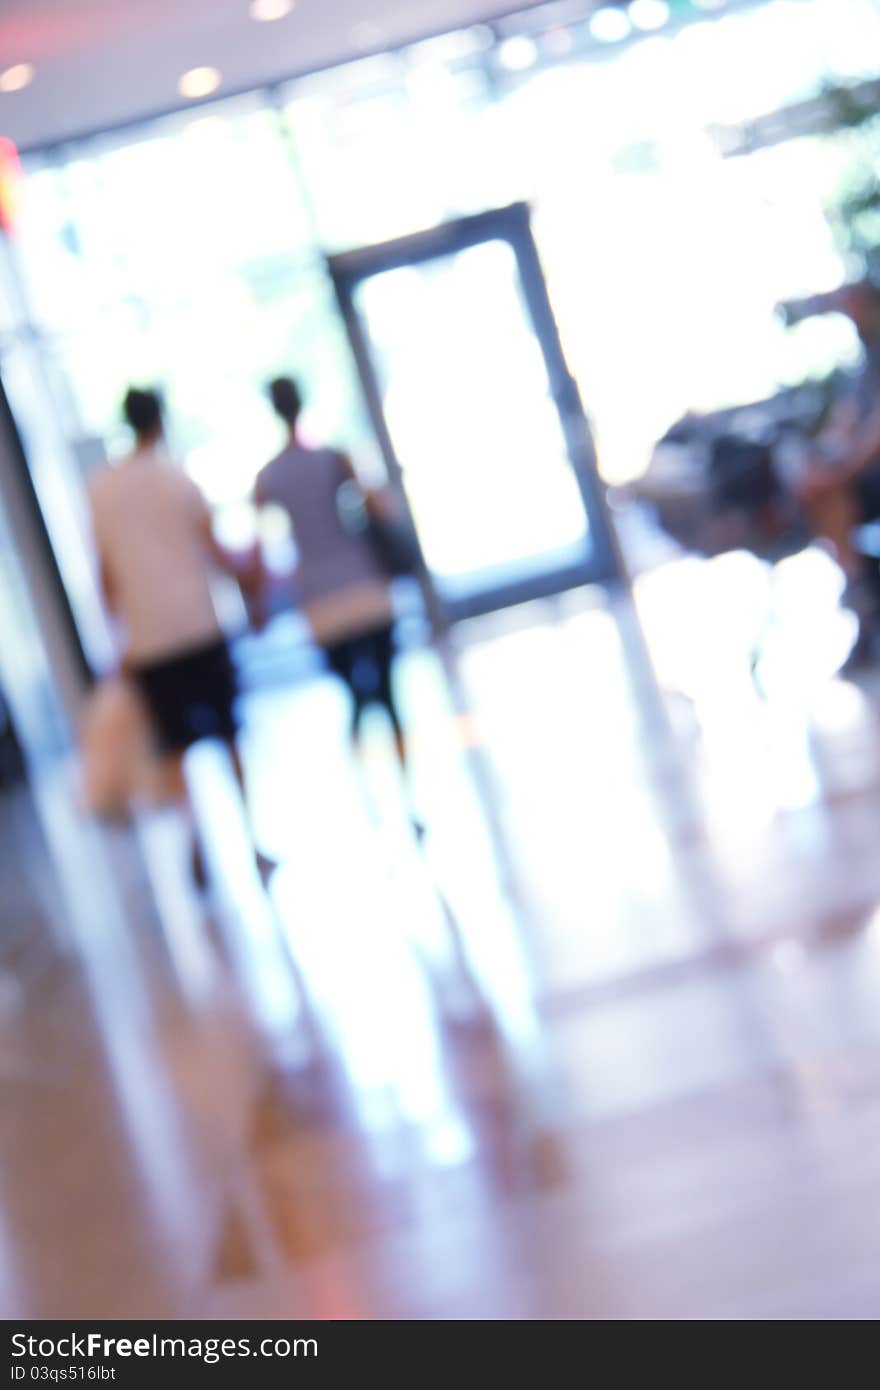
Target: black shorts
[[364, 663], [191, 696], [868, 488]]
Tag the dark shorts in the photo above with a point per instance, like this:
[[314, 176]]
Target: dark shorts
[[868, 488], [191, 696], [364, 663]]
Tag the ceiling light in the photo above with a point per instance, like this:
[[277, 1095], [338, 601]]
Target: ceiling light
[[610, 25], [648, 14], [264, 11], [14, 79], [517, 53], [198, 82], [708, 4]]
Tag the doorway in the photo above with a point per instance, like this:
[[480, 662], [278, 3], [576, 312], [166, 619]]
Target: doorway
[[476, 413]]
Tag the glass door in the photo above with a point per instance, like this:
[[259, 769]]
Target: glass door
[[475, 410]]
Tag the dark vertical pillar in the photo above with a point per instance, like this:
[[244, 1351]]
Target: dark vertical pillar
[[52, 616]]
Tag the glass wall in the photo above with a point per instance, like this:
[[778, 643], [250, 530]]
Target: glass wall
[[189, 252]]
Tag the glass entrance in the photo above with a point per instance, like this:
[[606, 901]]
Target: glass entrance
[[476, 412]]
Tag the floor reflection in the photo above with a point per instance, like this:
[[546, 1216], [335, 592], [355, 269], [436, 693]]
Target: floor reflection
[[555, 1056]]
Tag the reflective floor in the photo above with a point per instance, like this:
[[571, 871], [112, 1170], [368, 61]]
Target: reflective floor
[[603, 1043]]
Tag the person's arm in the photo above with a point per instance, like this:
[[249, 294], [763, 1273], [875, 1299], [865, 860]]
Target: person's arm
[[841, 427], [847, 450], [348, 472], [106, 586], [258, 492], [245, 568], [221, 557], [378, 502], [224, 559], [865, 448]]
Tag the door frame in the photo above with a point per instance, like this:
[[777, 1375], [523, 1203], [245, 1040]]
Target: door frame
[[602, 564]]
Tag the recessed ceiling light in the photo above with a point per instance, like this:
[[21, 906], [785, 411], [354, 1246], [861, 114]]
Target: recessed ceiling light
[[14, 79], [264, 11], [199, 82], [648, 14], [518, 53], [610, 25]]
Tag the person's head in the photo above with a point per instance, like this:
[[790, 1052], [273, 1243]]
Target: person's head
[[861, 303], [286, 400], [143, 412]]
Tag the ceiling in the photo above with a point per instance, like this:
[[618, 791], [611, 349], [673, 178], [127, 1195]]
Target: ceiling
[[102, 62]]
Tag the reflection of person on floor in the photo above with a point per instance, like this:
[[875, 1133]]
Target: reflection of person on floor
[[341, 587], [841, 488], [156, 550]]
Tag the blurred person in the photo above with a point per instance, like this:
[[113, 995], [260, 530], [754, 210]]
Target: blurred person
[[157, 551], [343, 590], [840, 487]]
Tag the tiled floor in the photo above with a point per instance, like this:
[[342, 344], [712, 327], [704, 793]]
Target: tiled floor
[[605, 1044]]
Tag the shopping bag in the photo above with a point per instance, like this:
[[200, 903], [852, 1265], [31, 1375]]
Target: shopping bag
[[120, 767]]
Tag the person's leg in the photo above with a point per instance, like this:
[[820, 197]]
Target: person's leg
[[173, 779], [176, 790], [159, 687], [197, 852], [237, 764], [265, 864], [342, 659], [358, 707], [214, 696], [833, 514], [383, 656]]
